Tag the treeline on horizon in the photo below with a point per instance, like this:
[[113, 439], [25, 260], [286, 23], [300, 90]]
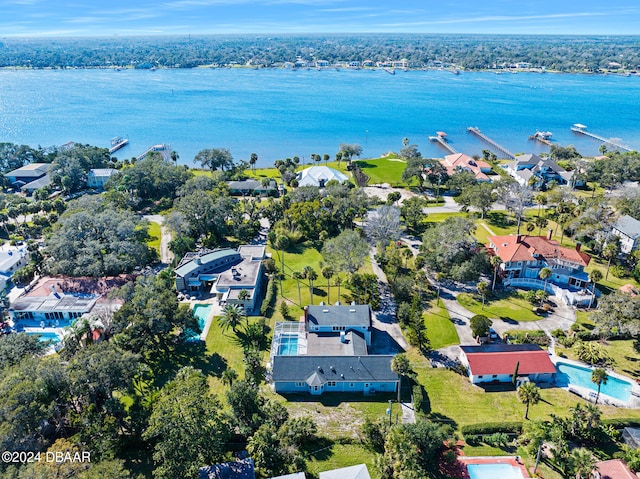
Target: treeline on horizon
[[471, 52]]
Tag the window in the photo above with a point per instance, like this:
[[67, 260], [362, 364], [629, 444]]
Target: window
[[299, 384], [480, 377], [494, 376], [331, 384], [350, 385]]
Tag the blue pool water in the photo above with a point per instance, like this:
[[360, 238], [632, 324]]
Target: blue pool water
[[493, 471], [45, 336], [202, 313], [288, 345], [569, 374]]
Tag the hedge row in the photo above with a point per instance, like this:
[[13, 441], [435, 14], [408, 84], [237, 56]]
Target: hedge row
[[491, 428], [269, 298], [622, 422]]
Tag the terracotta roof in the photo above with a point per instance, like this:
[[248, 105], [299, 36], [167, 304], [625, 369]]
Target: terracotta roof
[[510, 249], [504, 361], [460, 160], [614, 469]]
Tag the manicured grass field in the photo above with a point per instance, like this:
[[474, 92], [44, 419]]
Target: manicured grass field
[[223, 348], [295, 259], [342, 455], [383, 170], [440, 330], [513, 306], [154, 236]]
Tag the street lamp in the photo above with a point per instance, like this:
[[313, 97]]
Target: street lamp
[[389, 412]]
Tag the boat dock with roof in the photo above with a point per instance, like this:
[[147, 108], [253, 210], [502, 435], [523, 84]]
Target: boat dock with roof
[[543, 137], [441, 139], [582, 130], [117, 142], [476, 131], [160, 147]]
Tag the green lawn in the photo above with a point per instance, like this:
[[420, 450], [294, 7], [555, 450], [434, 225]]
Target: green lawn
[[440, 330], [383, 170], [453, 399], [295, 259], [154, 236], [341, 455], [500, 306], [222, 347]]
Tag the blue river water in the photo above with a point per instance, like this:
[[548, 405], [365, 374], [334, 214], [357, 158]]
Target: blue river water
[[280, 113]]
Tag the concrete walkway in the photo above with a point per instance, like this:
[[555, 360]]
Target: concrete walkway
[[408, 414]]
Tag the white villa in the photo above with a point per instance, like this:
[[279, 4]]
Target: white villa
[[319, 176]]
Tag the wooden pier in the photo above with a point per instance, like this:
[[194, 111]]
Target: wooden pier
[[155, 148], [117, 143], [476, 131], [542, 136], [582, 130], [441, 139]]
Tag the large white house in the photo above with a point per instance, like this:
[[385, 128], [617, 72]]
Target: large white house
[[627, 228], [319, 176]]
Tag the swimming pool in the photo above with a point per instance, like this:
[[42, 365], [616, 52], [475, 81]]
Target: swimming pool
[[571, 374], [202, 313], [288, 345], [45, 336], [494, 471]]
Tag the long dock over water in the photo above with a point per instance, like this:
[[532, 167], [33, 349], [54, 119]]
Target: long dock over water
[[159, 147], [441, 139], [476, 131], [582, 130]]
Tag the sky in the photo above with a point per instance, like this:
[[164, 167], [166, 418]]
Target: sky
[[170, 17]]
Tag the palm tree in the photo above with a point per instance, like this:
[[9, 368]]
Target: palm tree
[[231, 317], [174, 156], [338, 282], [594, 277], [529, 394], [495, 261], [327, 273], [297, 275], [609, 252], [281, 243], [439, 277], [311, 275], [483, 289], [228, 376], [599, 377], [253, 159], [582, 463], [545, 274]]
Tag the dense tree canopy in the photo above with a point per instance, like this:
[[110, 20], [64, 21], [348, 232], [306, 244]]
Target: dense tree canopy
[[94, 239]]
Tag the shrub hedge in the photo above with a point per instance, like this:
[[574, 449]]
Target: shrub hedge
[[491, 428]]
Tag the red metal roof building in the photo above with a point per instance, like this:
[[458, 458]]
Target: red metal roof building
[[497, 363], [613, 469]]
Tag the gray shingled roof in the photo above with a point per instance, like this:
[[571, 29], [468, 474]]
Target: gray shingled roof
[[333, 368], [352, 472], [242, 469], [192, 265], [348, 315], [629, 226]]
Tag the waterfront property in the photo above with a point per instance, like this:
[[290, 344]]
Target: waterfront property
[[460, 162], [539, 172], [498, 363], [224, 273], [627, 228], [524, 256], [252, 187], [319, 176], [328, 351]]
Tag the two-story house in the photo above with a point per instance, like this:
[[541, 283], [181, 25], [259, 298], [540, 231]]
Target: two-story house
[[524, 256], [539, 172], [627, 228]]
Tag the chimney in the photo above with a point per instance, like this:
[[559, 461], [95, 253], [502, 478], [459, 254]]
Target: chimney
[[549, 234], [578, 246]]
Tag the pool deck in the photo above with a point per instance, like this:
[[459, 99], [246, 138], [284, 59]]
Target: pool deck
[[511, 460], [590, 395], [57, 331]]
